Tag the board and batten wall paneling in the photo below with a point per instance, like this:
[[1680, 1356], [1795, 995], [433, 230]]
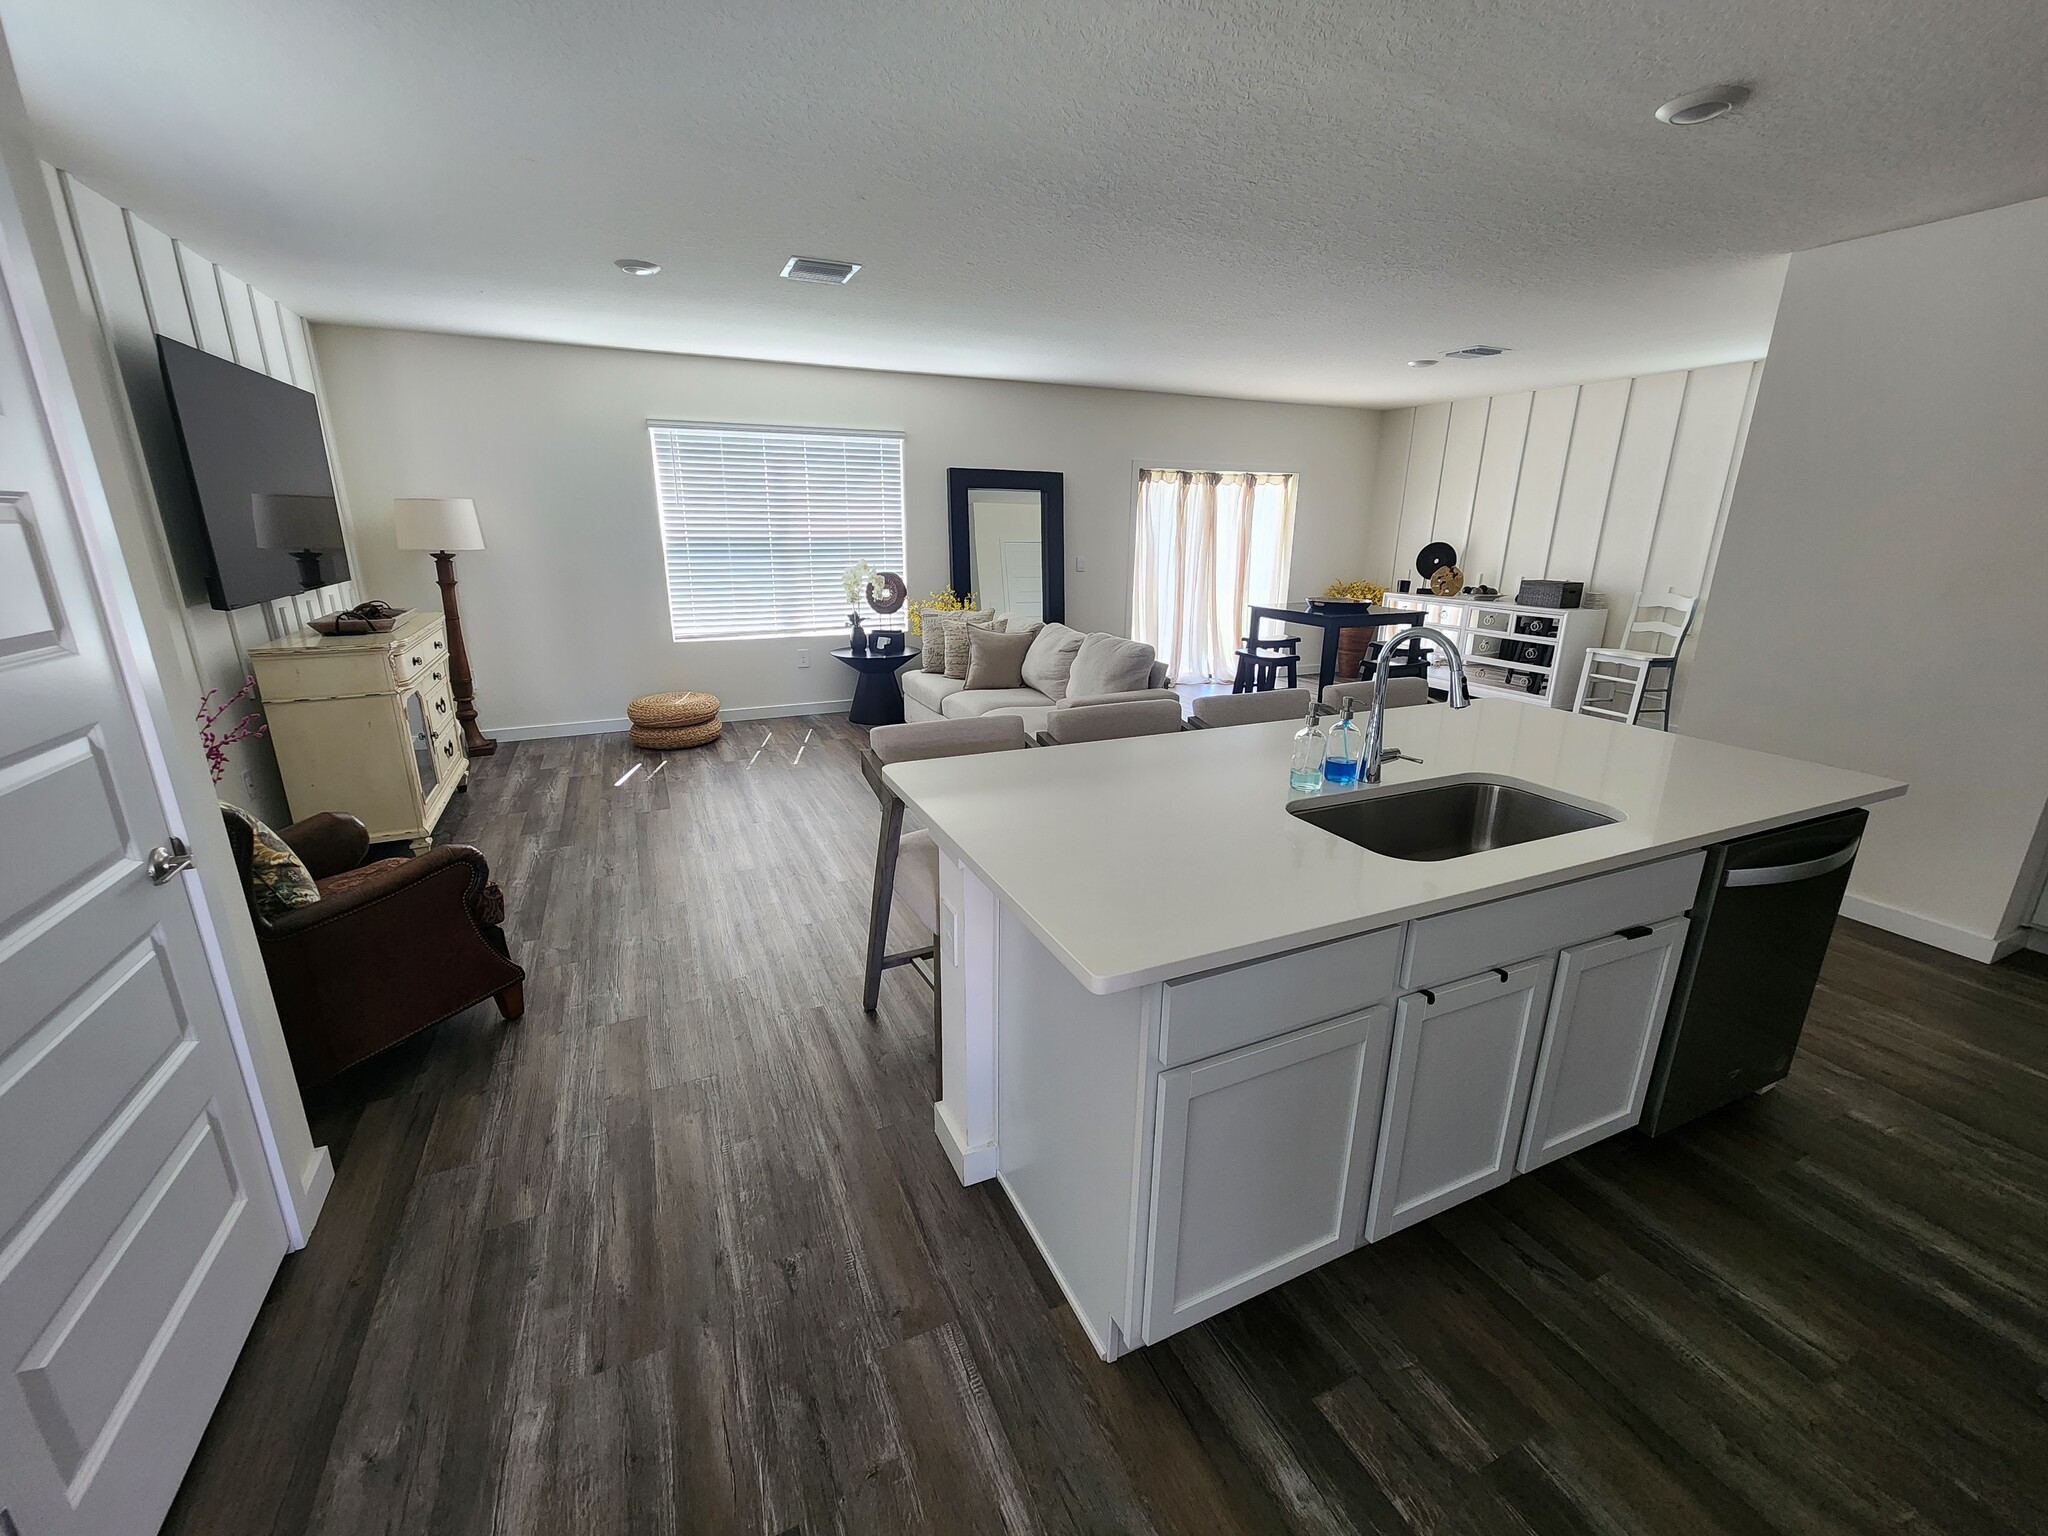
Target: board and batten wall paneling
[[1538, 479], [1417, 507], [141, 283], [1621, 484], [1463, 440], [1588, 477], [1500, 466]]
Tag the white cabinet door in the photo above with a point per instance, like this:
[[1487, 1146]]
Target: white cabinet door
[[1463, 1058], [1606, 1017], [1261, 1162]]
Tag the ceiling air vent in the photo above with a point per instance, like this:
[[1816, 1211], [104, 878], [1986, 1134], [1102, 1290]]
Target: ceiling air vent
[[816, 269], [1478, 351]]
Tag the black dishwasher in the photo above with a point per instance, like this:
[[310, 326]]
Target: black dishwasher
[[1760, 929]]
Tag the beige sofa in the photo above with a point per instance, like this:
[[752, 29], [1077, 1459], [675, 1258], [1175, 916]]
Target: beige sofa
[[929, 696]]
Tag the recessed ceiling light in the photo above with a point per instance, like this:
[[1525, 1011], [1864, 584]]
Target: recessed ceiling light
[[1466, 354], [1421, 362], [1702, 106], [633, 266], [819, 269]]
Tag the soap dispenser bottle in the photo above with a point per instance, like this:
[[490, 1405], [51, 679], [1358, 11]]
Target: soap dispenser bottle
[[1305, 770], [1342, 750]]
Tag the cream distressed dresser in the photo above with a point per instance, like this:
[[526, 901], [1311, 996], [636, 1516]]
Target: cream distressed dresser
[[366, 724]]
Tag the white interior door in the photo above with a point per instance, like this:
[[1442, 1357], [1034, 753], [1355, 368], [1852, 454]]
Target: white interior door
[[139, 1229]]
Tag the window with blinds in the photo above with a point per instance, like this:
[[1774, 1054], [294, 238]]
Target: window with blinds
[[758, 524]]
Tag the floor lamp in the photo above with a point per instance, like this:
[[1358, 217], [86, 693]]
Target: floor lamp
[[442, 525]]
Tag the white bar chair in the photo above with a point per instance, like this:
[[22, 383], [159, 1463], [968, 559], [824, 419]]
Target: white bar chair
[[1626, 674]]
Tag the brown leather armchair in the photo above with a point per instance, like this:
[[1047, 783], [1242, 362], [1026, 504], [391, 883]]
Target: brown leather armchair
[[389, 948]]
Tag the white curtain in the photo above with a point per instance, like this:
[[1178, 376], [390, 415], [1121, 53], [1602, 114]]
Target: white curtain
[[1209, 545]]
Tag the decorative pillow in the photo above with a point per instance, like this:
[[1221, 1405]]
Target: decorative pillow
[[1051, 659], [956, 643], [278, 880], [1109, 664], [995, 658], [933, 657]]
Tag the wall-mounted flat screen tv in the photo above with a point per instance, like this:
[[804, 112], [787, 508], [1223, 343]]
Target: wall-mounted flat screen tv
[[259, 474]]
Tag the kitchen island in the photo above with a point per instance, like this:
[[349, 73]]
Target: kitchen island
[[1207, 1044]]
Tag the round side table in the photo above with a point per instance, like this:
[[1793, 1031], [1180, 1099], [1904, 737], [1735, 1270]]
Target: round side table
[[878, 696]]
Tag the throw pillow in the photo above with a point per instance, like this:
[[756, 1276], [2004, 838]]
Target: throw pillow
[[933, 657], [278, 880], [1050, 661], [1109, 664], [995, 659], [956, 643]]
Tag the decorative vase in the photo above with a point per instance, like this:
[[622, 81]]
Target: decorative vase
[[859, 643]]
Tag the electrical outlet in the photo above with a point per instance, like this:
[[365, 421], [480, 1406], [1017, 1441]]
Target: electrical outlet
[[803, 659], [1080, 564]]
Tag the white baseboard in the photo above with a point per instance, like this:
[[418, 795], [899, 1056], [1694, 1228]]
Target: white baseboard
[[2037, 940], [777, 711], [970, 1164], [1928, 930], [621, 725]]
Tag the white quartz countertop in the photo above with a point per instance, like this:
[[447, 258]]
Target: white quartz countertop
[[1141, 860]]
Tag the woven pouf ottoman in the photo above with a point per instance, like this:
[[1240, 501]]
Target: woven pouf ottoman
[[665, 721]]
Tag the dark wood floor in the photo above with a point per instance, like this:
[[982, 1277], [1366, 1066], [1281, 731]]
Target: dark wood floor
[[678, 1252]]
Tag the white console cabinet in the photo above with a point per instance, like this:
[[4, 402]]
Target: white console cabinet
[[1512, 651], [366, 724]]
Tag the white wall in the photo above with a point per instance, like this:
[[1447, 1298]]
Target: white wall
[[566, 614], [141, 283], [1879, 591], [1618, 484]]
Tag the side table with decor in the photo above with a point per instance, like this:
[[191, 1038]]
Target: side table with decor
[[878, 695]]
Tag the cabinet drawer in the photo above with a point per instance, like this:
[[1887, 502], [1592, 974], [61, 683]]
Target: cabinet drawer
[[1225, 1009], [1464, 943], [425, 650]]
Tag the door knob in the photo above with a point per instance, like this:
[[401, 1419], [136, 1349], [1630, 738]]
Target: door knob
[[168, 860]]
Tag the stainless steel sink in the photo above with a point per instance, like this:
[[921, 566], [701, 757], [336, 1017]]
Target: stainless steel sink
[[1447, 821]]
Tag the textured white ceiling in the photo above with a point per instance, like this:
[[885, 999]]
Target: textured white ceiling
[[1268, 198]]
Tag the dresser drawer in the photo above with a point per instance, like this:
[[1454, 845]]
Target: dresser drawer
[[427, 649], [1464, 943], [1225, 1009]]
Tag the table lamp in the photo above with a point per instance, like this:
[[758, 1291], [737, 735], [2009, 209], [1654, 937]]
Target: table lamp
[[442, 525], [307, 526]]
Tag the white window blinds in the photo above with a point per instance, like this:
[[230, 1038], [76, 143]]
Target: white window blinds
[[758, 524]]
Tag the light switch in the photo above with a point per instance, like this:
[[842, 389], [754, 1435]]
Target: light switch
[[1080, 565]]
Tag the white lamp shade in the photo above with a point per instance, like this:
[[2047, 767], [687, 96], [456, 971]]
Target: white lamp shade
[[295, 522], [436, 522]]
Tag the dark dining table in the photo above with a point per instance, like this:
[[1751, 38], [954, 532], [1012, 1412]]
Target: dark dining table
[[1331, 621]]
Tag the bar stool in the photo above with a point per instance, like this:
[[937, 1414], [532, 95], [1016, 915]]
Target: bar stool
[[1259, 672]]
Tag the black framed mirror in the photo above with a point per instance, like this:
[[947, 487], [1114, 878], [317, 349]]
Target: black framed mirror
[[1008, 544]]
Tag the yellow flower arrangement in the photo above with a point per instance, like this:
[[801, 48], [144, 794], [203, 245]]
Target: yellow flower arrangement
[[1356, 591], [942, 601]]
